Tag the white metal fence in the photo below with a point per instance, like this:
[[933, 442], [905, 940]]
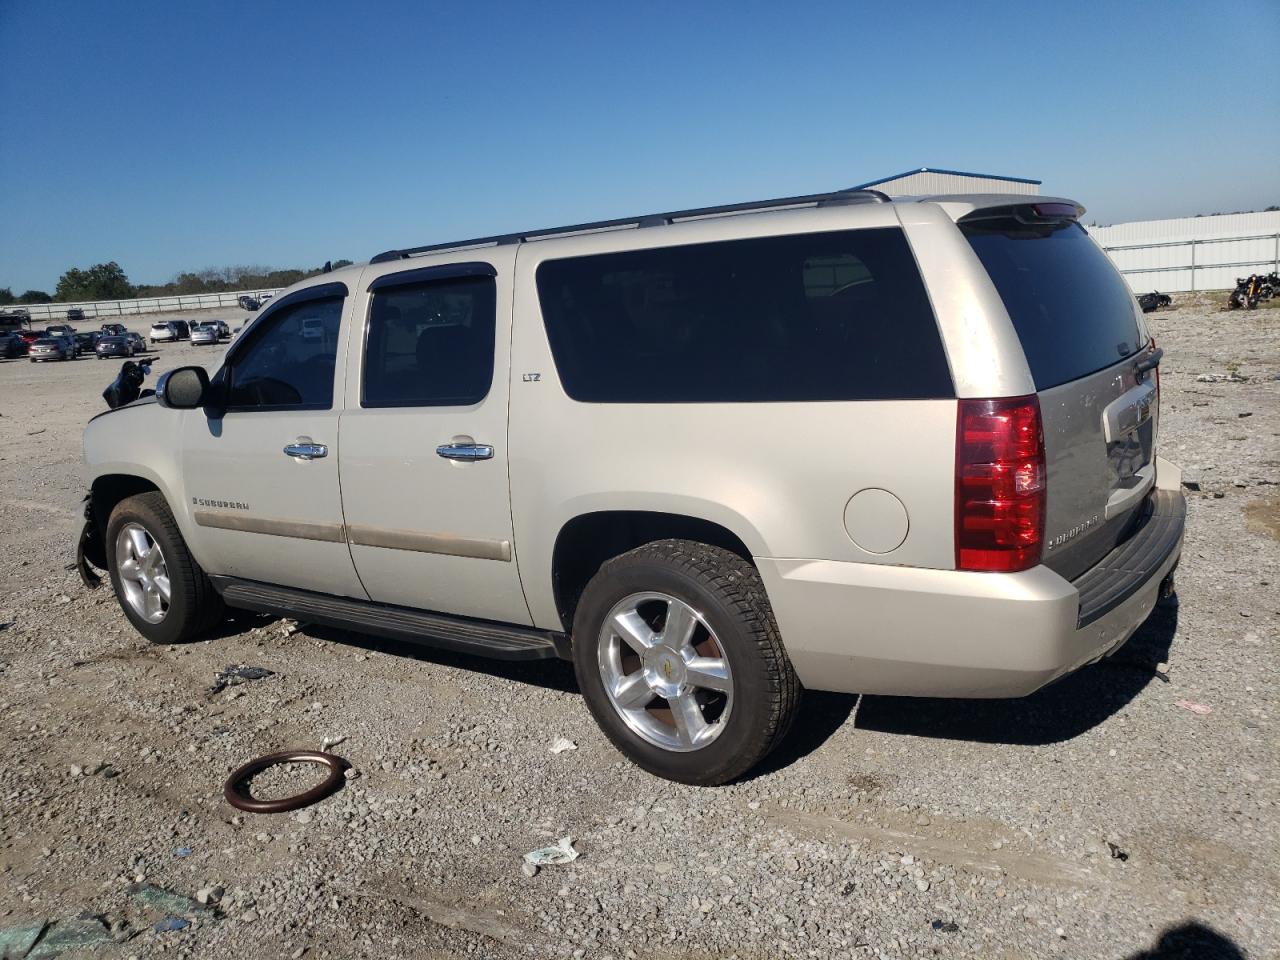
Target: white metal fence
[[1183, 265], [118, 308], [1193, 253]]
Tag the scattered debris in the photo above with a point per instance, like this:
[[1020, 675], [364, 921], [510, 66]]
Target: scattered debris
[[1116, 852], [1160, 671], [79, 933], [1231, 377], [329, 742], [1247, 413], [529, 869], [209, 895], [34, 433], [1196, 708], [170, 924], [16, 941], [1191, 484], [183, 852], [236, 789], [561, 853], [561, 744], [946, 926], [166, 901], [236, 674]]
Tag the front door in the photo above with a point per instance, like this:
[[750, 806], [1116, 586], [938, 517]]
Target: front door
[[262, 479], [425, 485]]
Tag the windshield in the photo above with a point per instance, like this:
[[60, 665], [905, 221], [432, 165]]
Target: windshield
[[1072, 309]]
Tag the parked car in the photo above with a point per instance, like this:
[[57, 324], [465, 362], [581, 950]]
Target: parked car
[[248, 303], [75, 315], [896, 447], [60, 330], [114, 346], [53, 348], [224, 329], [115, 329], [27, 337], [205, 333], [139, 344], [14, 319], [12, 346], [163, 332], [86, 342], [182, 328]]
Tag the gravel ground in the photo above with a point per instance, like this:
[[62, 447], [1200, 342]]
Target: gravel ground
[[1100, 818]]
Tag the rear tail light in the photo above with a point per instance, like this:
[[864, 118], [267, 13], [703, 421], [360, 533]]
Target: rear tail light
[[1000, 484]]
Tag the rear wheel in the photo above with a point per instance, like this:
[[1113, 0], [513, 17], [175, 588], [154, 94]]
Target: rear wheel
[[680, 662], [162, 590]]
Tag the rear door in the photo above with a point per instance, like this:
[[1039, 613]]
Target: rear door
[[425, 484], [1083, 338]]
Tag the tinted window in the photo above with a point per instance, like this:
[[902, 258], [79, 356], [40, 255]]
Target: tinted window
[[430, 344], [1073, 311], [819, 316], [289, 363]]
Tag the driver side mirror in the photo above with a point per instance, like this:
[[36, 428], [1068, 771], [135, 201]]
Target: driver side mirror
[[183, 389]]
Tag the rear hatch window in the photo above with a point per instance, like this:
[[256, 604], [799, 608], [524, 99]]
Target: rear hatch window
[[1073, 311]]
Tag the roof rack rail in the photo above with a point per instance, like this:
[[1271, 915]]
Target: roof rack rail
[[833, 199]]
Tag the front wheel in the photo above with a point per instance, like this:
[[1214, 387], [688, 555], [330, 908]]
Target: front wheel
[[680, 661], [161, 588]]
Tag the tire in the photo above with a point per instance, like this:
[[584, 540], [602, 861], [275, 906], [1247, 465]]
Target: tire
[[723, 595], [193, 605]]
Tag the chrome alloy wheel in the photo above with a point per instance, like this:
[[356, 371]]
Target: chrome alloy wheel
[[665, 672], [144, 577]]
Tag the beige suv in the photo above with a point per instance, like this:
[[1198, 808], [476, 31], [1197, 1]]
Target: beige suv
[[714, 457]]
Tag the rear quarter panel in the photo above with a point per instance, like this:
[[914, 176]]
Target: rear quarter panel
[[778, 475]]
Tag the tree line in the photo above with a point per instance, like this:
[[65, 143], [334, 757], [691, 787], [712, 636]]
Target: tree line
[[108, 281]]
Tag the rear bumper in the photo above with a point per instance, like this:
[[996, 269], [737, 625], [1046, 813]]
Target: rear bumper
[[872, 628]]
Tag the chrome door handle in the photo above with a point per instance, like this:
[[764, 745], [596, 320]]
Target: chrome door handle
[[305, 449], [465, 451]]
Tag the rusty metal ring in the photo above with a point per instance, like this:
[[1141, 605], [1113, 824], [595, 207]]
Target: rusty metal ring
[[236, 790]]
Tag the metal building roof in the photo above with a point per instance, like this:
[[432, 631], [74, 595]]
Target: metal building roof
[[951, 173]]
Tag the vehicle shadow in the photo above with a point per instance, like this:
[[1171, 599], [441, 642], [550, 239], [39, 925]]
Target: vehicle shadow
[[1191, 941], [1058, 712], [551, 674]]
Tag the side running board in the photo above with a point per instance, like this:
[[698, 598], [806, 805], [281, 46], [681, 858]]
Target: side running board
[[483, 638]]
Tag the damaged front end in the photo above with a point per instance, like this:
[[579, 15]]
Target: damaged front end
[[91, 551]]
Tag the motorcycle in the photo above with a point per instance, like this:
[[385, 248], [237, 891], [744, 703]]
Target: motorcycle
[[1154, 301], [1270, 286], [1247, 292], [127, 386]]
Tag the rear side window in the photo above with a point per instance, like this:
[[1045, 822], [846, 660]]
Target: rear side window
[[430, 344], [1072, 309], [817, 316]]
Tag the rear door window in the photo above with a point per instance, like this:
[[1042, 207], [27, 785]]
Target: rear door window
[[430, 344], [816, 316], [1072, 309]]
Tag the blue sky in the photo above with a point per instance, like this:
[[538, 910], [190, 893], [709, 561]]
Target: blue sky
[[171, 136]]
